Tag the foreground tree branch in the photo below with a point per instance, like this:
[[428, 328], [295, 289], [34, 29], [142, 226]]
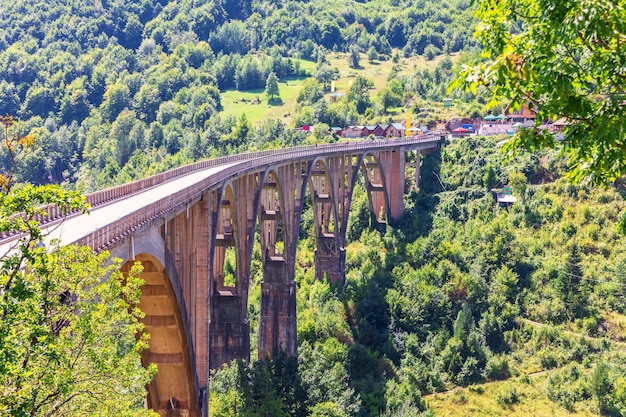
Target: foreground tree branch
[[69, 317]]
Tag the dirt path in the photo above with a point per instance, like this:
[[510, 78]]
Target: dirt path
[[570, 333]]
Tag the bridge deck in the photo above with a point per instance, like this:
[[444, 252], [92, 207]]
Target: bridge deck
[[77, 227]]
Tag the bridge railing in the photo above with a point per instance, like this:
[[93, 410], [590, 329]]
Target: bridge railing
[[125, 226], [52, 213]]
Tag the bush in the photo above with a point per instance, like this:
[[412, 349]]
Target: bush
[[498, 368], [548, 359], [477, 389], [507, 397]]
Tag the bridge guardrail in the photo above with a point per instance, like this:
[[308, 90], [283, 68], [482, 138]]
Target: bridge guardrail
[[53, 213], [105, 237]]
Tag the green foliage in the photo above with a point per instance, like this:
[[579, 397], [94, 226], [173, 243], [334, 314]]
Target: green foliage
[[507, 397], [68, 337], [441, 300], [155, 61], [563, 60], [354, 58], [359, 93], [271, 86]]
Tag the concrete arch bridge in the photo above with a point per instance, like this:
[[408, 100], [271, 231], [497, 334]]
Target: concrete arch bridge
[[193, 229]]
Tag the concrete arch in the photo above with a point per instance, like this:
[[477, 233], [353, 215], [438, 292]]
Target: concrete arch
[[269, 207], [323, 198], [377, 192], [174, 386]]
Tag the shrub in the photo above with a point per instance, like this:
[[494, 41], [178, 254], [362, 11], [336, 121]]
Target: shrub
[[507, 397], [498, 368]]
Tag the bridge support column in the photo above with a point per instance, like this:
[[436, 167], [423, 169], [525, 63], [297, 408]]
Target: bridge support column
[[392, 163], [229, 333], [418, 164], [232, 231], [330, 261], [278, 310], [330, 253]]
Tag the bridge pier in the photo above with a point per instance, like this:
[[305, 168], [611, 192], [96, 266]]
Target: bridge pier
[[392, 166], [330, 261], [278, 310], [232, 234], [230, 332]]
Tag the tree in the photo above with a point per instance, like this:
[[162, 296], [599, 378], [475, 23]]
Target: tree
[[116, 98], [490, 178], [354, 59], [359, 93], [310, 92], [325, 75], [271, 86], [68, 342], [518, 182], [563, 59], [248, 75], [388, 98], [372, 55], [330, 35], [601, 385]]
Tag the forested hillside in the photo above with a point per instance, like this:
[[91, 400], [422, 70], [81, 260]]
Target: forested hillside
[[459, 292], [522, 307], [116, 90]]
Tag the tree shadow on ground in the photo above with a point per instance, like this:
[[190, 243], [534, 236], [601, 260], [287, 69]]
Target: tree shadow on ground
[[275, 101]]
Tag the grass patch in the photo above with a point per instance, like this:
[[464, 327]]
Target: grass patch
[[377, 71], [254, 103], [513, 398]]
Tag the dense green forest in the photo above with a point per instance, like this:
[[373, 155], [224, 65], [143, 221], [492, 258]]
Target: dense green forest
[[117, 90], [459, 292]]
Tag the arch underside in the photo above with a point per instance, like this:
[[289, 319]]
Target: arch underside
[[279, 194], [374, 179], [172, 387]]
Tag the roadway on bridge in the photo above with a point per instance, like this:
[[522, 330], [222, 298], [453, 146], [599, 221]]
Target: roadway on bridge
[[78, 226], [74, 228]]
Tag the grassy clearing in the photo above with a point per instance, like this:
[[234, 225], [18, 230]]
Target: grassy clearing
[[236, 102], [378, 71], [490, 399], [254, 102], [255, 105]]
